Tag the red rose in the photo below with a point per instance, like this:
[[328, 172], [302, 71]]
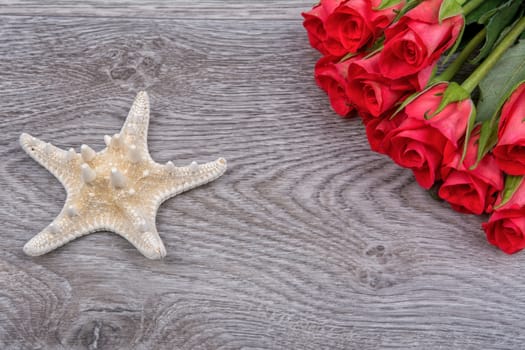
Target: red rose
[[331, 76], [506, 226], [470, 191], [510, 149], [355, 24], [374, 94], [378, 128], [418, 143], [314, 23], [417, 40]]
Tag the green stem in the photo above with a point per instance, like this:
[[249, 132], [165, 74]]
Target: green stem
[[455, 66], [474, 79], [471, 6]]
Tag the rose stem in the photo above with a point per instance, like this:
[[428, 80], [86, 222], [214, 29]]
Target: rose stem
[[455, 66], [475, 78], [471, 6]]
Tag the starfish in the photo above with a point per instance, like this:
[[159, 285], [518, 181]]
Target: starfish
[[118, 189]]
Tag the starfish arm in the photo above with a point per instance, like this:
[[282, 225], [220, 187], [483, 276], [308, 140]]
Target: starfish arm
[[64, 165], [173, 180], [66, 227], [135, 129], [138, 227]]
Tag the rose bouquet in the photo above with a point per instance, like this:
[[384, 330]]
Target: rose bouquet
[[463, 139]]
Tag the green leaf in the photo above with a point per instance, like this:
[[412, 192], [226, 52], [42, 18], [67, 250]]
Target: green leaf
[[470, 127], [410, 4], [511, 185], [387, 3], [481, 10], [434, 190], [347, 56], [449, 8], [496, 22], [490, 13], [488, 137], [433, 75], [453, 93], [455, 47], [495, 117], [376, 47], [501, 80], [489, 128], [412, 97]]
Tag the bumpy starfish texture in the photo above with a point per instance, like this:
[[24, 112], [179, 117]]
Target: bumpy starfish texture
[[118, 189]]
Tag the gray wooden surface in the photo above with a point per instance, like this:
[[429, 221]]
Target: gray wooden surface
[[309, 241]]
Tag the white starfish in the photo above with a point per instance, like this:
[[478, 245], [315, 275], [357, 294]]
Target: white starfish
[[118, 189]]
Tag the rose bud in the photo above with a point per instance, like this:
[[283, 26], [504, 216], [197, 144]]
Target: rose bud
[[418, 143], [470, 191], [510, 149], [314, 23], [356, 24], [331, 76], [418, 39], [506, 226], [372, 93]]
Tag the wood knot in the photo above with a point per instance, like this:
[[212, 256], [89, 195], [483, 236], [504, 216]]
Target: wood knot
[[122, 73]]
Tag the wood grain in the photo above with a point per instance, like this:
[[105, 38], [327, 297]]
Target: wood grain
[[180, 9], [309, 241]]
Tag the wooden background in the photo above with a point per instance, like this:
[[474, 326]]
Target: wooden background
[[309, 241]]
